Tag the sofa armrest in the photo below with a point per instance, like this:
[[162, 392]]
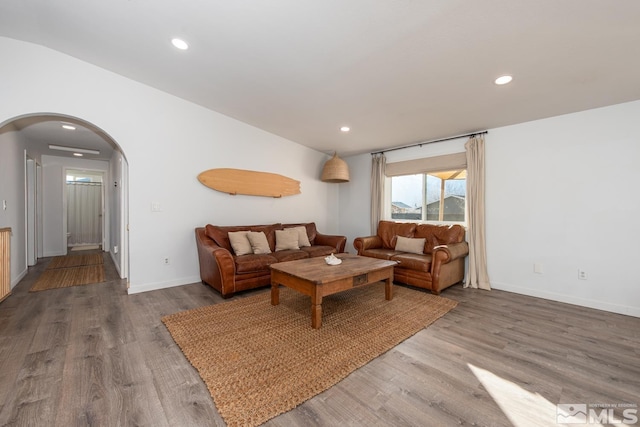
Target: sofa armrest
[[370, 242], [447, 265], [217, 266], [446, 253], [337, 242]]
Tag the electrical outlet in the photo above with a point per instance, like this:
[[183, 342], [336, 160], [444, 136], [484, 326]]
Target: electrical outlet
[[582, 275], [165, 260]]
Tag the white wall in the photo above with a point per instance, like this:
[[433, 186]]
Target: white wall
[[12, 189], [560, 192], [167, 142]]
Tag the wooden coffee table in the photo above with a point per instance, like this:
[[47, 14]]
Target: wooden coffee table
[[314, 277]]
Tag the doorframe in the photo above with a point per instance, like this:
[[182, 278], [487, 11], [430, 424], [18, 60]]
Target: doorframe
[[103, 200], [32, 249], [124, 216]]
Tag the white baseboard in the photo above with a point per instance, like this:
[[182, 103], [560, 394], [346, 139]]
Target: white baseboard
[[116, 263], [135, 289], [569, 299], [20, 276], [55, 253]]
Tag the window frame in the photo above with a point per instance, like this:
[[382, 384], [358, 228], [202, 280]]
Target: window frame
[[388, 211], [424, 166]]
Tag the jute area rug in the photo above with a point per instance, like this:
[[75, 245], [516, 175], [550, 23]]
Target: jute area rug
[[71, 270], [259, 360]]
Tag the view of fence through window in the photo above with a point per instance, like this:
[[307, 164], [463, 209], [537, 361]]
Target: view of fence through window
[[436, 196]]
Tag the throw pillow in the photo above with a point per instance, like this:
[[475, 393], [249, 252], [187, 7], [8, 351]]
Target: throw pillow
[[286, 239], [240, 243], [259, 242], [406, 244], [303, 239]]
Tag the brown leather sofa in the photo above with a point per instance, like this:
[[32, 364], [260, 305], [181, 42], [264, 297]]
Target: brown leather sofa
[[441, 263], [227, 273]]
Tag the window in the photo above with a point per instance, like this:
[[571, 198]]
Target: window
[[83, 176], [432, 196]]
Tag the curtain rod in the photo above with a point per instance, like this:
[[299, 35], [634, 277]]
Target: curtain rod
[[420, 144]]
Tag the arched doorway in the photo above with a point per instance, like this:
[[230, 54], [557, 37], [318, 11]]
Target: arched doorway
[[38, 150]]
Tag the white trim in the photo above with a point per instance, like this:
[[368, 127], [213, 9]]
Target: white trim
[[18, 278], [583, 302], [115, 263], [135, 289]]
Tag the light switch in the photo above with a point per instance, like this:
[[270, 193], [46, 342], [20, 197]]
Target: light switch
[[155, 207]]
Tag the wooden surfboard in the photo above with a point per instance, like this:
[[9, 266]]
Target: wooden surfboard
[[251, 183]]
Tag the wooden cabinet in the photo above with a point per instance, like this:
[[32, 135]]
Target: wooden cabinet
[[5, 262]]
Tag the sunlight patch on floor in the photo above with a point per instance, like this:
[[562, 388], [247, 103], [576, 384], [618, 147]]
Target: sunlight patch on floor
[[522, 407]]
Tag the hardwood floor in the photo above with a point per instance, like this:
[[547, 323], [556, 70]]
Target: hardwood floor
[[95, 356]]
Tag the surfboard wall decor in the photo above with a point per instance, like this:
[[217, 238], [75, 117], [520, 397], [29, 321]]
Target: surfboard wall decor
[[251, 183]]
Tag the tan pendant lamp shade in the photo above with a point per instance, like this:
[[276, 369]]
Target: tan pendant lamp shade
[[335, 170]]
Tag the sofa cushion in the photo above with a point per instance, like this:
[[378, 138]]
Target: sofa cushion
[[259, 242], [220, 234], [389, 230], [380, 253], [303, 238], [439, 235], [240, 243], [319, 250], [310, 227], [289, 255], [253, 262], [287, 239], [413, 261], [406, 244]]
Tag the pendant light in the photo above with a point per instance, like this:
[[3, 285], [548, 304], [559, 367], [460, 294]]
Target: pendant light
[[335, 170]]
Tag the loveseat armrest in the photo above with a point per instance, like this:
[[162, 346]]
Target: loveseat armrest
[[447, 253], [447, 265], [370, 242], [337, 242]]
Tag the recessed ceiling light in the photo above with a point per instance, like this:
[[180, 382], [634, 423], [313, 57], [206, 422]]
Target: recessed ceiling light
[[69, 127], [503, 80], [180, 44], [345, 129], [78, 154]]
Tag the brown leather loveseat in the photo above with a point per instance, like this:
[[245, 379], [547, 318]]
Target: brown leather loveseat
[[434, 263], [228, 273]]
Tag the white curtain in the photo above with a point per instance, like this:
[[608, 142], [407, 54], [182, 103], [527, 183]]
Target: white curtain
[[378, 165], [84, 213], [477, 276]]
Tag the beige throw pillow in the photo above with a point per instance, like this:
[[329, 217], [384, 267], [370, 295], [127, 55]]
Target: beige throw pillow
[[414, 246], [286, 239], [303, 239], [240, 243], [259, 242]]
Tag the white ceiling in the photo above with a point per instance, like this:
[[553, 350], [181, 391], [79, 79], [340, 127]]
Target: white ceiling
[[396, 71]]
